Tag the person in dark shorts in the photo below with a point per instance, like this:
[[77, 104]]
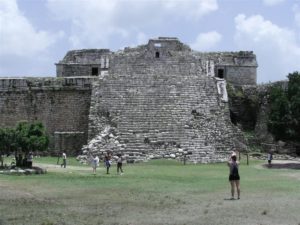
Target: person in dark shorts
[[270, 158], [107, 161], [234, 177]]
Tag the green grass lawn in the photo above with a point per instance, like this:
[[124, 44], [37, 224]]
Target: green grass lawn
[[158, 192]]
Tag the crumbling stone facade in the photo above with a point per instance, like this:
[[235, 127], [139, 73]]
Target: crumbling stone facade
[[238, 68], [87, 62], [164, 100], [157, 100]]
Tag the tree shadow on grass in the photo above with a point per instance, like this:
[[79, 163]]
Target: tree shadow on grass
[[295, 166]]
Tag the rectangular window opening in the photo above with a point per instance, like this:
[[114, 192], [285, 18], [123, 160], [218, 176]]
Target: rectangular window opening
[[95, 71], [221, 73], [156, 54]]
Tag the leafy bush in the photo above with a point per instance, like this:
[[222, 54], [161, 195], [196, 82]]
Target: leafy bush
[[24, 138], [31, 136]]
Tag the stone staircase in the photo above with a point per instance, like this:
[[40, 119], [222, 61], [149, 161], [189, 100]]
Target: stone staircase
[[160, 108]]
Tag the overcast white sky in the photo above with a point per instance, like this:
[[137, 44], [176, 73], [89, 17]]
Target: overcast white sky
[[35, 34]]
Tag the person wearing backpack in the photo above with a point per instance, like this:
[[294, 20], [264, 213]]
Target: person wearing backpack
[[234, 177]]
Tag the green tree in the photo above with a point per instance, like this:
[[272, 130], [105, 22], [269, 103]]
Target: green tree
[[284, 116], [31, 136], [7, 139], [22, 139], [294, 99], [8, 142], [279, 116]]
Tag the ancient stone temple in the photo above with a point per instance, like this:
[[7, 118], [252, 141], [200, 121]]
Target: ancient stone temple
[[162, 99], [156, 100]]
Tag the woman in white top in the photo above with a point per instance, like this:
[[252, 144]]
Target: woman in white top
[[95, 164]]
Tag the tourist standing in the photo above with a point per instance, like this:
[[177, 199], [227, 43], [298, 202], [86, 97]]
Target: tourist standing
[[234, 177], [29, 160], [95, 164], [270, 157], [64, 157], [1, 160], [119, 164], [107, 161]]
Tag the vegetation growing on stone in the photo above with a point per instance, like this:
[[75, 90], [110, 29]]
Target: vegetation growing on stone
[[243, 107]]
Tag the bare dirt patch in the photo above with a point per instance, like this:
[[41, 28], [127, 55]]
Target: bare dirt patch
[[283, 164]]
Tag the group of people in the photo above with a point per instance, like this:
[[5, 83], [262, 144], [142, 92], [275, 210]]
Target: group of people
[[95, 162], [26, 161], [233, 164], [107, 163]]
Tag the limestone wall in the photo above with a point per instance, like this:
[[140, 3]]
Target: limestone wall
[[60, 104], [86, 62], [241, 75], [70, 142], [239, 68]]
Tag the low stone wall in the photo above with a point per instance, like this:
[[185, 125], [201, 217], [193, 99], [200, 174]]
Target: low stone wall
[[61, 104], [69, 142]]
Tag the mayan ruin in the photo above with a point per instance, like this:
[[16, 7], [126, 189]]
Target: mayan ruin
[[161, 99], [165, 112]]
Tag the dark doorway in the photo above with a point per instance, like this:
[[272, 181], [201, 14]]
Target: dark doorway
[[221, 73], [94, 71], [156, 54]]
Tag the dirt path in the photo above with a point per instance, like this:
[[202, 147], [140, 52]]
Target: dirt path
[[68, 169], [283, 164], [292, 165]]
